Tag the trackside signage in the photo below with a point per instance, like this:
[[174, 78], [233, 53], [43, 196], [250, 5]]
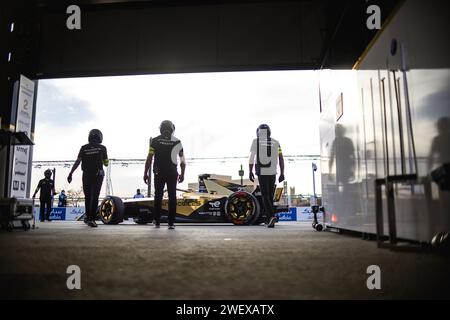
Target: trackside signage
[[64, 213], [20, 176]]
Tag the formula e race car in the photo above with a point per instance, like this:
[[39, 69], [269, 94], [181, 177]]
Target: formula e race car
[[217, 199]]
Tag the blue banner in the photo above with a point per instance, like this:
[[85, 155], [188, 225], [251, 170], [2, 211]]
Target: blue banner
[[63, 213], [288, 216], [58, 214]]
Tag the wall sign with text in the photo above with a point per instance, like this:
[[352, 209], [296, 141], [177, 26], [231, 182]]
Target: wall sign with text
[[20, 176]]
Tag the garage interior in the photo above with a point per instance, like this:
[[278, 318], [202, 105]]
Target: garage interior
[[210, 262], [203, 262]]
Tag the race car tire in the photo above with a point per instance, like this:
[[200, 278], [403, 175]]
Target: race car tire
[[242, 208], [111, 210]]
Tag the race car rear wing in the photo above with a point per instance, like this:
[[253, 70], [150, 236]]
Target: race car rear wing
[[278, 194]]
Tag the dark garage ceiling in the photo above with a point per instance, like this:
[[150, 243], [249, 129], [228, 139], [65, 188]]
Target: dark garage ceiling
[[142, 37]]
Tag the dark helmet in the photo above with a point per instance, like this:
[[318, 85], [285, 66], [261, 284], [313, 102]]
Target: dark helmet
[[95, 135], [264, 127], [167, 126], [48, 173]]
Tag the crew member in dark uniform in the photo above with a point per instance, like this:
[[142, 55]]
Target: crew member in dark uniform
[[165, 148], [267, 152], [138, 194], [92, 157], [47, 187], [62, 199]]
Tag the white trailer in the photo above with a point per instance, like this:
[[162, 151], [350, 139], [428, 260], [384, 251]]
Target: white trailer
[[385, 126]]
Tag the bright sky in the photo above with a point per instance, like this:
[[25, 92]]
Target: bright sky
[[215, 114]]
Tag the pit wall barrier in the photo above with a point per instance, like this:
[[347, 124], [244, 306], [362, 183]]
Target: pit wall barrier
[[298, 214], [63, 213], [74, 213]]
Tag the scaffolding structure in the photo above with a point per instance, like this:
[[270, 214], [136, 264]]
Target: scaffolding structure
[[126, 162]]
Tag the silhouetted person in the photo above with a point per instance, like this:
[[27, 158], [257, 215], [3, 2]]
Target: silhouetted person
[[165, 148], [343, 150], [47, 187], [440, 147], [92, 156], [138, 194], [343, 154], [439, 168], [268, 153], [62, 199]]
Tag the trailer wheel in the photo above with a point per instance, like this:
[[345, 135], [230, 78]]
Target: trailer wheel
[[111, 210], [242, 208]]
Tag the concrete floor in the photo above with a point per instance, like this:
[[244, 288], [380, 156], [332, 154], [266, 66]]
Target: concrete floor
[[129, 261]]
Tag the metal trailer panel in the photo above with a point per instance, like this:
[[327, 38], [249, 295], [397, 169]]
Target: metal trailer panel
[[371, 138]]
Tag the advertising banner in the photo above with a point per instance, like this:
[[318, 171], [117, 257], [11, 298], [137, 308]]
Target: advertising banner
[[58, 214], [299, 214], [20, 176], [306, 214], [74, 213], [63, 213], [288, 216]]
